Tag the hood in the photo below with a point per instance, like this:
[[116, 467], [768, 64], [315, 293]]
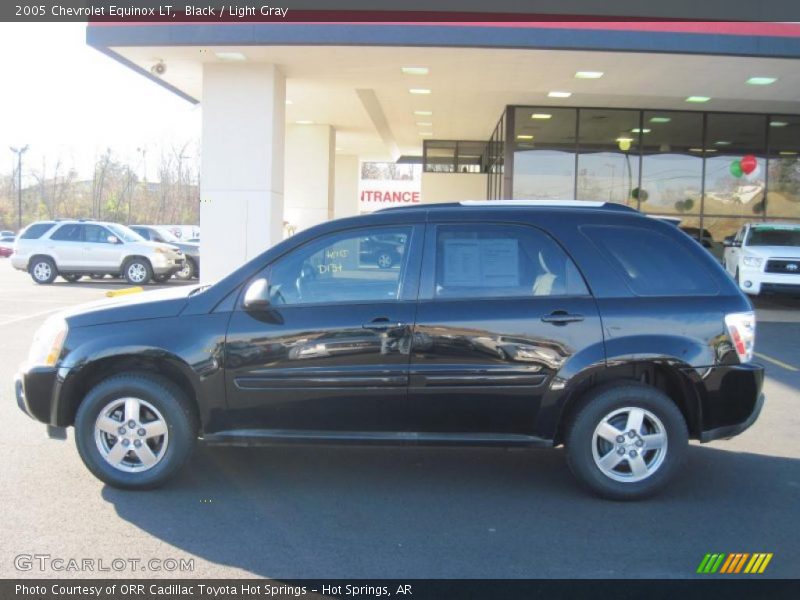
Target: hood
[[157, 304], [772, 251], [154, 245]]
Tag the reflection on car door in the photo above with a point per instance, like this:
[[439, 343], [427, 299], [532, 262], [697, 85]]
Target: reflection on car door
[[502, 308], [66, 246], [332, 350]]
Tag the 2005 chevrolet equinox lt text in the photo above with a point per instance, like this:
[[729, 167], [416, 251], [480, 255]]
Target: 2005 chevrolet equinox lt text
[[512, 323]]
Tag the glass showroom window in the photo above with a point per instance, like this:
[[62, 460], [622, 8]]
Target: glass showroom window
[[672, 164], [544, 153], [783, 196], [736, 166], [608, 155]]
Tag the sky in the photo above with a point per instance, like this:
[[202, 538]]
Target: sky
[[69, 102]]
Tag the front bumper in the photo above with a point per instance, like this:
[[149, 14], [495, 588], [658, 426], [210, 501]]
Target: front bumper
[[35, 389], [168, 266], [752, 281], [731, 400]]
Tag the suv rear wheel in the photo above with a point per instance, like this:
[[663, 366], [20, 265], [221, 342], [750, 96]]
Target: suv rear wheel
[[626, 440], [135, 430], [137, 271], [43, 270]]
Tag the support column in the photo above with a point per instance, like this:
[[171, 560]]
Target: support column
[[310, 156], [241, 183], [345, 197]]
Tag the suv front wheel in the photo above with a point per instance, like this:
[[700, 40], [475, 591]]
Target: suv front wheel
[[626, 440], [135, 430], [137, 271]]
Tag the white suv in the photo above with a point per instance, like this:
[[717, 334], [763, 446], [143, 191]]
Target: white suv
[[73, 248], [765, 257]]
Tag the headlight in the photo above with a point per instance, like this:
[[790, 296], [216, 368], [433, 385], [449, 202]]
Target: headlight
[[752, 261], [160, 250], [48, 343]]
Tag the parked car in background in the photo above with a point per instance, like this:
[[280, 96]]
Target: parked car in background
[[583, 324], [74, 248], [7, 245], [191, 251], [765, 257], [384, 251], [6, 233]]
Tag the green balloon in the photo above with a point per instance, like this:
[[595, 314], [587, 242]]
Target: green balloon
[[736, 169]]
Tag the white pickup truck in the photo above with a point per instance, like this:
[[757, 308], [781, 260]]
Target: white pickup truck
[[765, 257]]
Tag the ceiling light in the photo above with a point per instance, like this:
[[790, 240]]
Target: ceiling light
[[304, 122], [778, 123], [761, 80], [787, 153], [541, 116], [524, 137], [722, 143], [559, 94], [424, 124], [421, 91], [660, 119], [426, 133], [423, 113], [624, 139], [588, 75], [698, 99], [230, 56], [288, 102], [637, 130], [414, 70], [695, 149]]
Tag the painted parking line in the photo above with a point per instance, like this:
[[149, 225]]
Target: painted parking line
[[38, 314], [775, 361]]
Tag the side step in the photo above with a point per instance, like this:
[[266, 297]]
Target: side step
[[261, 437]]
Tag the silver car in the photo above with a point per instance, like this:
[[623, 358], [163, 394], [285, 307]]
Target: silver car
[[74, 248]]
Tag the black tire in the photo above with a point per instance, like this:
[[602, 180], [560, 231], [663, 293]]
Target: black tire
[[137, 271], [188, 272], [97, 275], [71, 277], [161, 278], [606, 400], [43, 270], [176, 410]]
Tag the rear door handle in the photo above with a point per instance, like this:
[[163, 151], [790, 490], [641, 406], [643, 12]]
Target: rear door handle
[[562, 317], [383, 324]]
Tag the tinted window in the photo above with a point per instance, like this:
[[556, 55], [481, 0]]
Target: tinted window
[[96, 234], [35, 231], [357, 266], [773, 236], [502, 261], [145, 233], [67, 233], [652, 263]]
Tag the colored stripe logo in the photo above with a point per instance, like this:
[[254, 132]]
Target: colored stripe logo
[[736, 562]]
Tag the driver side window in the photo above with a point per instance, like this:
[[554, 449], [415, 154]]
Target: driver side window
[[364, 265]]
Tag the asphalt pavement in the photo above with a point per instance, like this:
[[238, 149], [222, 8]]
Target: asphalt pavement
[[379, 512]]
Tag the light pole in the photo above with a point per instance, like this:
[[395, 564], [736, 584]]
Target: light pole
[[19, 152]]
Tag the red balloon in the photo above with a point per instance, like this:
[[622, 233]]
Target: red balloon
[[749, 164]]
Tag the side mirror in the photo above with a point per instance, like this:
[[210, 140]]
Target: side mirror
[[729, 242], [257, 295], [112, 239]]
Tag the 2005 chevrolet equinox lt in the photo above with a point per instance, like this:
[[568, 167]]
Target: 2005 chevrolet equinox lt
[[513, 323]]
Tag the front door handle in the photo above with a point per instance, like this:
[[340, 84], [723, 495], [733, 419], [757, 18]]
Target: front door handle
[[562, 317], [383, 324]]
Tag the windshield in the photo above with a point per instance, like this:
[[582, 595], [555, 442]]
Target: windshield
[[125, 234], [765, 236], [166, 235]]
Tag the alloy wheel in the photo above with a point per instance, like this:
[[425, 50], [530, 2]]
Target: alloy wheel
[[629, 444], [131, 435], [42, 271], [137, 272]]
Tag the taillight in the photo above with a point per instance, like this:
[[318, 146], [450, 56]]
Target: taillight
[[742, 330]]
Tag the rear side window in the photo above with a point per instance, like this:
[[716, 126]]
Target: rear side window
[[35, 231], [502, 261], [67, 233], [652, 264]]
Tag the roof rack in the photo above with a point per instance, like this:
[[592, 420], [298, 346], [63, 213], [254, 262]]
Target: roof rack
[[519, 203]]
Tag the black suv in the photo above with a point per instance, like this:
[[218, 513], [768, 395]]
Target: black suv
[[513, 323]]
